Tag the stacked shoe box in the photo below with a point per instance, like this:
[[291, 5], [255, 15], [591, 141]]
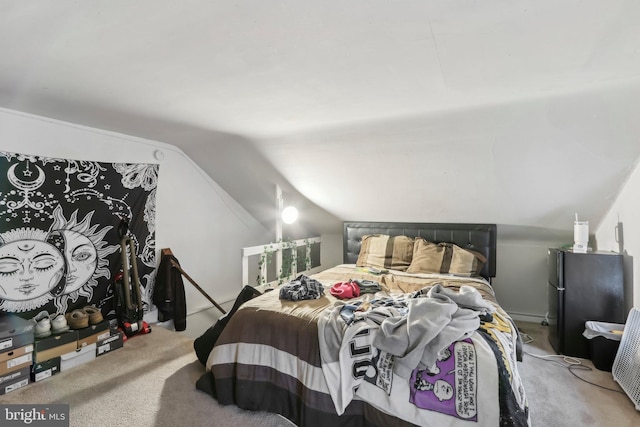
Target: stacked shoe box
[[48, 353], [53, 338], [16, 352], [91, 327], [107, 345], [36, 349], [86, 346]]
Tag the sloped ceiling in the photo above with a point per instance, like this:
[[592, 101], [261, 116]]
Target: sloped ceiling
[[514, 112]]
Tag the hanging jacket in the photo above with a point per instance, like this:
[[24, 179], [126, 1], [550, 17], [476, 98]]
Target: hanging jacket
[[168, 294]]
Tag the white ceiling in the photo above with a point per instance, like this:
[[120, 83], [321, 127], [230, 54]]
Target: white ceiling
[[507, 111]]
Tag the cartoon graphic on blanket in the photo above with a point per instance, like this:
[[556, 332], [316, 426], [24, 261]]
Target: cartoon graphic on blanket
[[426, 342], [455, 371]]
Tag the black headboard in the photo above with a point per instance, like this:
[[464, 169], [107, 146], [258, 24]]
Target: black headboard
[[479, 237]]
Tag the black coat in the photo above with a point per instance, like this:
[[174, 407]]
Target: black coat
[[168, 294]]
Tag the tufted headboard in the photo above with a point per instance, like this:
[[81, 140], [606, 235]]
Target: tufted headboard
[[479, 237]]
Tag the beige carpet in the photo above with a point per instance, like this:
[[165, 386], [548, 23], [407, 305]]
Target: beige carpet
[[151, 382], [148, 382], [558, 399]]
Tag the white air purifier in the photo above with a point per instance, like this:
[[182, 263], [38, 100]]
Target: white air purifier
[[626, 366]]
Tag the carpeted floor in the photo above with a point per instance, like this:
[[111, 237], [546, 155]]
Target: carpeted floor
[[148, 382], [557, 398], [151, 382]]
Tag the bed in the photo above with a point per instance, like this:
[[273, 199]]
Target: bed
[[427, 345]]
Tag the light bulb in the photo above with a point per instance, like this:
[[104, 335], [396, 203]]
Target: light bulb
[[289, 215]]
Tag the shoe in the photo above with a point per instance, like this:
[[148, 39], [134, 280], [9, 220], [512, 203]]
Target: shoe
[[95, 315], [43, 325], [59, 324], [77, 319]]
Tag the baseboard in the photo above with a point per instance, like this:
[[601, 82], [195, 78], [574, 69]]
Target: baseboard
[[523, 317]]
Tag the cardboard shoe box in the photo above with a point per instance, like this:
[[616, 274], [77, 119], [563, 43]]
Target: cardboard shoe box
[[77, 357], [14, 380], [14, 332], [46, 369], [54, 346], [17, 341], [93, 333], [16, 363], [115, 341], [16, 352]]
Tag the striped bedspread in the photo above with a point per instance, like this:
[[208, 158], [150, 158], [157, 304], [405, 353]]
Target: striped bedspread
[[268, 358]]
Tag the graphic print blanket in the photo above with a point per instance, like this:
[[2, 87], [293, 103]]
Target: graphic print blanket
[[59, 244], [410, 353]]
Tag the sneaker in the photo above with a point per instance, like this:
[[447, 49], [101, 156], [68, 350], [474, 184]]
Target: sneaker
[[59, 324], [77, 319], [43, 325], [95, 315]]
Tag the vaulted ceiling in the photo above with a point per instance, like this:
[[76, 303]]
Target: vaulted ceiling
[[514, 112]]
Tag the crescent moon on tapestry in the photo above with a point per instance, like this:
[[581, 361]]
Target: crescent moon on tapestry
[[25, 185]]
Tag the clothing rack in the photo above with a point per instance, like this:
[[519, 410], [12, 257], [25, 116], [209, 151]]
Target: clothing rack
[[177, 266]]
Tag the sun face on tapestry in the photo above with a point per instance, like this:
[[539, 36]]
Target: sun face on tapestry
[[59, 248]]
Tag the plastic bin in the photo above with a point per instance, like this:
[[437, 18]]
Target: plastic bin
[[604, 340]]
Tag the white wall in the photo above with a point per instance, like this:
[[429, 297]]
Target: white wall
[[623, 215], [521, 279], [200, 222]]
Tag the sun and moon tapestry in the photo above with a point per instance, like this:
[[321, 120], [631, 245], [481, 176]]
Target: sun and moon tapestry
[[60, 243]]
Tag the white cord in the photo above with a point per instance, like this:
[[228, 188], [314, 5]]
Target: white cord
[[569, 362], [527, 339], [566, 359]]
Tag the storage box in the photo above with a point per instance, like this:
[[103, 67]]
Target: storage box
[[14, 376], [78, 357], [115, 341], [16, 363], [93, 333], [46, 369], [14, 332], [54, 346], [21, 351], [15, 380], [16, 341]]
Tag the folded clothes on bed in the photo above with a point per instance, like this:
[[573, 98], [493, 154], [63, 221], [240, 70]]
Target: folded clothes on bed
[[368, 286], [301, 288]]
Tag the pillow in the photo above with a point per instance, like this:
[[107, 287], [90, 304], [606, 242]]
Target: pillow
[[383, 251], [466, 262], [427, 257], [446, 258]]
